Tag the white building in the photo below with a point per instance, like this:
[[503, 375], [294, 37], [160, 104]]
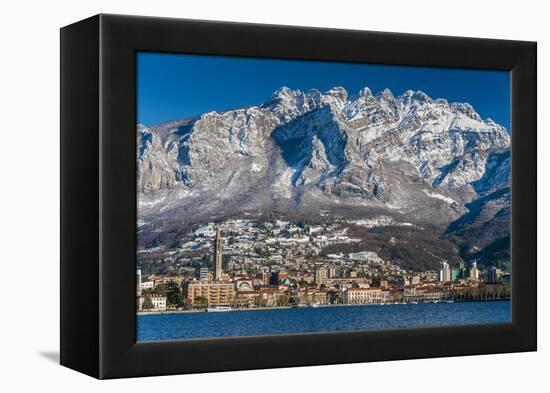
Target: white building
[[158, 301], [474, 272], [203, 273], [147, 285], [445, 272], [141, 285], [363, 295]]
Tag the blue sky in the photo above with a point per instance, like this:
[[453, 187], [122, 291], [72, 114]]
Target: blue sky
[[173, 86]]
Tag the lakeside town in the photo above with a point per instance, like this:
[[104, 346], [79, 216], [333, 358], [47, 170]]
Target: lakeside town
[[243, 264]]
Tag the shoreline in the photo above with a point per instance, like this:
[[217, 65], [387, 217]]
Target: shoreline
[[142, 313]]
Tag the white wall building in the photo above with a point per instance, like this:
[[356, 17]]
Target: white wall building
[[474, 272], [445, 272], [159, 302], [147, 285], [203, 273], [363, 295]]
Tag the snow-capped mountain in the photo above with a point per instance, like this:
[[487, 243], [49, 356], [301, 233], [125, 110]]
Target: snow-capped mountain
[[303, 149], [435, 164]]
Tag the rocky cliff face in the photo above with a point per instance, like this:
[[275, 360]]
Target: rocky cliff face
[[335, 143], [420, 158]]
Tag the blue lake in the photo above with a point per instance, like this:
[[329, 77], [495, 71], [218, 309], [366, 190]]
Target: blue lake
[[322, 319]]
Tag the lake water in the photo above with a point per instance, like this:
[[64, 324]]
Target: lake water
[[322, 319]]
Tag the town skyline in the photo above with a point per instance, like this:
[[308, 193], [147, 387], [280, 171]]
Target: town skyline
[[355, 278]]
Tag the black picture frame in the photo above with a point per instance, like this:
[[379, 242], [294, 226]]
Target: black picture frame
[[98, 195]]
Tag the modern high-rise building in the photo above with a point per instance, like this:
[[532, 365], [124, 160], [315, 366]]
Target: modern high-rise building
[[218, 243], [445, 272], [474, 273], [493, 275], [455, 274]]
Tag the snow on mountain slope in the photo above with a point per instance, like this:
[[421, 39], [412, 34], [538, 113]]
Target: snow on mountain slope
[[409, 154]]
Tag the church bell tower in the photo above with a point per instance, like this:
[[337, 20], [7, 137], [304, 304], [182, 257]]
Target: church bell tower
[[218, 255]]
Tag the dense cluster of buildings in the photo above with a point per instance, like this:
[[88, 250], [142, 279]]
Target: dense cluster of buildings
[[278, 265]]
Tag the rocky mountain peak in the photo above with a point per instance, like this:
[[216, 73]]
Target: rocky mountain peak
[[406, 95], [385, 95], [284, 92], [287, 104], [466, 109], [336, 98], [422, 97], [337, 92], [365, 92]]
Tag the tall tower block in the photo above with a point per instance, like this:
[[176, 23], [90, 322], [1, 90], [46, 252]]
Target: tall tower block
[[218, 255]]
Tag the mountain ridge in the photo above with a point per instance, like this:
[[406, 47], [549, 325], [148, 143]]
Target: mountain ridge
[[420, 159]]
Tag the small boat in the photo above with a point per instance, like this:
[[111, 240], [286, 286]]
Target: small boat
[[315, 305], [219, 309]]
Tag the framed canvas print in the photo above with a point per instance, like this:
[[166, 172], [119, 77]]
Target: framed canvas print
[[295, 196]]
